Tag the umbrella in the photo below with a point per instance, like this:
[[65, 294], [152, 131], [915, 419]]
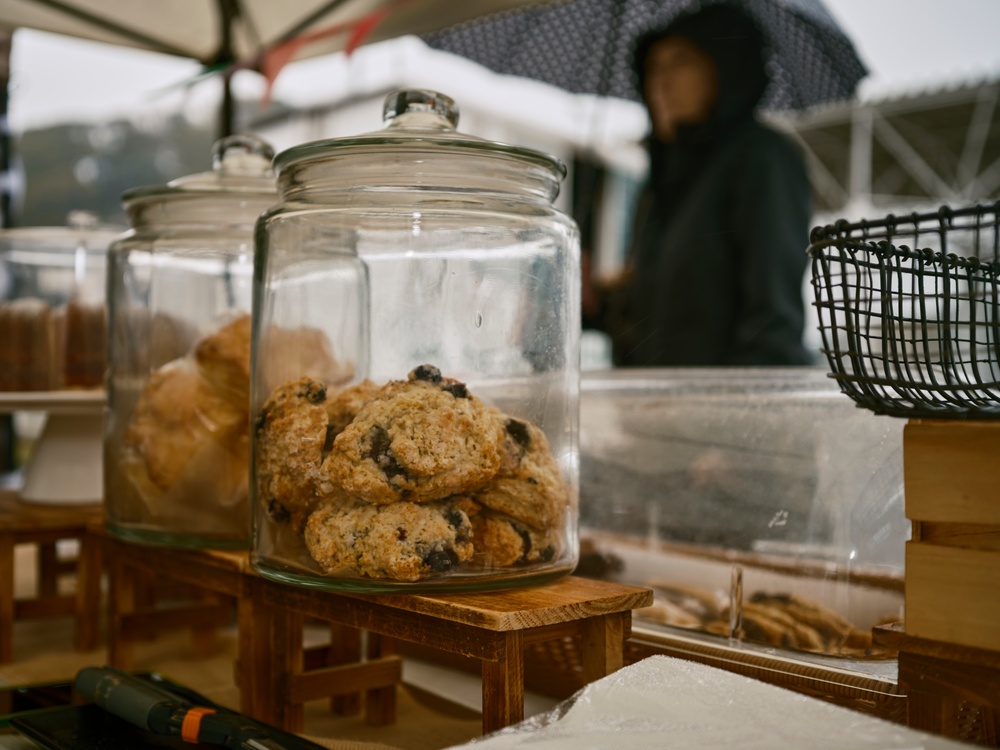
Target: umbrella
[[225, 35], [585, 46]]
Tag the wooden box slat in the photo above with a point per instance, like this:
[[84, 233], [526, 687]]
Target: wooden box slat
[[953, 594], [950, 471]]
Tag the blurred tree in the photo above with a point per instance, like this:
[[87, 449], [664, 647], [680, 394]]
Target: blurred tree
[[88, 167]]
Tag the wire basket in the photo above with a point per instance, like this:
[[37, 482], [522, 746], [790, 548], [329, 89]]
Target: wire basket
[[909, 311]]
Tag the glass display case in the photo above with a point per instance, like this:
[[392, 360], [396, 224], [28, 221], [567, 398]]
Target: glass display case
[[53, 330], [761, 505]]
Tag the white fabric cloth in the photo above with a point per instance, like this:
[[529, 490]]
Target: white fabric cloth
[[667, 704]]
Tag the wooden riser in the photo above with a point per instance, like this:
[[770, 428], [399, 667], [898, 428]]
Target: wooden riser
[[952, 485]]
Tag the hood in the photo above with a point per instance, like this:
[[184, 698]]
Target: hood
[[737, 47]]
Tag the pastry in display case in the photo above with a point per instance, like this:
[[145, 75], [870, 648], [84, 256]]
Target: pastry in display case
[[53, 334], [760, 505]]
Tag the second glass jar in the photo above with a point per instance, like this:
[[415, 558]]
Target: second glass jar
[[176, 446], [415, 384]]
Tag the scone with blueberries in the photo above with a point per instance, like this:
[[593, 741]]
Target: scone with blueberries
[[417, 440], [403, 541]]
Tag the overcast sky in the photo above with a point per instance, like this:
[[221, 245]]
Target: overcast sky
[[907, 44]]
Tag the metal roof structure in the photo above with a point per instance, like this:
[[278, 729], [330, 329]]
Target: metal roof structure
[[912, 152]]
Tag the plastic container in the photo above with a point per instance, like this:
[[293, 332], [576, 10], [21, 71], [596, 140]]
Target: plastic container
[[180, 289], [761, 505], [416, 375], [53, 333]]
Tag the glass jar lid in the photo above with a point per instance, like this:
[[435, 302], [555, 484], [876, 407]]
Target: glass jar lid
[[418, 119], [241, 173]]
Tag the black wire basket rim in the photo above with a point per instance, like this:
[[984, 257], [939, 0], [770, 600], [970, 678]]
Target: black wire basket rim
[[885, 250], [871, 289], [945, 216]]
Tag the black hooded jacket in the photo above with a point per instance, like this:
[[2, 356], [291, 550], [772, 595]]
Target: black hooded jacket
[[718, 253]]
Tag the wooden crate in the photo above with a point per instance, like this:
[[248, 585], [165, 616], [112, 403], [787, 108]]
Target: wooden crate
[[951, 690], [952, 484]]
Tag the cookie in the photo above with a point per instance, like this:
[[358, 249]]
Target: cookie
[[770, 624], [833, 628], [417, 440], [291, 433], [503, 542], [403, 541], [343, 406], [529, 486]]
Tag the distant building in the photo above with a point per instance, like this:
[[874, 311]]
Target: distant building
[[911, 152]]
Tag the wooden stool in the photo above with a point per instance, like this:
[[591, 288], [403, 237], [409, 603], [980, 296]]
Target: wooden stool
[[493, 627], [217, 579], [233, 591], [44, 526]]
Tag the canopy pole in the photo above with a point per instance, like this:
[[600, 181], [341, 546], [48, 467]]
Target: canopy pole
[[6, 205], [6, 142], [229, 13]]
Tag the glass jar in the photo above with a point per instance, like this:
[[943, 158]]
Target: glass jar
[[429, 442], [180, 290], [53, 334]]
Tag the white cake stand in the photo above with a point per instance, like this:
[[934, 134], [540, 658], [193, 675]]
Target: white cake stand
[[66, 465]]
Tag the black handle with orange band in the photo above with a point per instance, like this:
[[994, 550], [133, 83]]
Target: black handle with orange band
[[162, 712]]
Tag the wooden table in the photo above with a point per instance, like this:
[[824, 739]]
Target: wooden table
[[45, 525]]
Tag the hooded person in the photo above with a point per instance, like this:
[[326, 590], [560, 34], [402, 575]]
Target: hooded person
[[721, 228]]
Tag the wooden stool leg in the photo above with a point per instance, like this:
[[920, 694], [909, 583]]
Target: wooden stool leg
[[602, 641], [203, 637], [503, 684], [48, 570], [88, 594], [121, 603], [6, 598], [286, 664], [380, 703], [254, 644], [345, 648]]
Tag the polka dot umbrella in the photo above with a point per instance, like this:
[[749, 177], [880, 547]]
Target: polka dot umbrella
[[585, 46]]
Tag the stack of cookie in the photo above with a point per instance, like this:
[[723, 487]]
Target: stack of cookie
[[406, 481], [777, 619]]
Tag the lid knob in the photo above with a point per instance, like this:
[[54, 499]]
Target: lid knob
[[420, 108], [79, 220], [242, 155]]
